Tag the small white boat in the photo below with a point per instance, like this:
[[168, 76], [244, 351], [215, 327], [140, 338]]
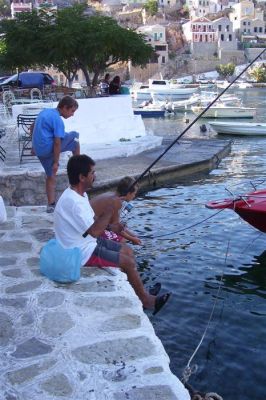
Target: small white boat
[[239, 128], [162, 89], [236, 85], [150, 109], [146, 112], [181, 105], [221, 110], [222, 84], [243, 85]]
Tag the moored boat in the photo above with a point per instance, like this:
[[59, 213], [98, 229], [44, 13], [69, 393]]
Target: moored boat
[[162, 89], [251, 207], [239, 128], [147, 112], [221, 110]]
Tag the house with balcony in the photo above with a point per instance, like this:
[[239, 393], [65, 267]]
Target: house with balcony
[[213, 38], [155, 35], [202, 8], [226, 38], [247, 20], [170, 4], [198, 8], [201, 36], [20, 6]]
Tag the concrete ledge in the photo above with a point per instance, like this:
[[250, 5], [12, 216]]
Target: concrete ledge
[[88, 340], [27, 185]]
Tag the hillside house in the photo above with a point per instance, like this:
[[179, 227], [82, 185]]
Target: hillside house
[[155, 36]]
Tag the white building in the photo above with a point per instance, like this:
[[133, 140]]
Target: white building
[[226, 39], [246, 19], [201, 8], [20, 6], [156, 37]]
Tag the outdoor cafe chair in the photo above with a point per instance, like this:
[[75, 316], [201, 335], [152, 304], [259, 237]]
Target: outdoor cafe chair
[[2, 150], [36, 94], [8, 97], [25, 127]]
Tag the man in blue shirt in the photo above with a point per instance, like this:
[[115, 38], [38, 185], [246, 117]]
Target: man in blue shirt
[[50, 139]]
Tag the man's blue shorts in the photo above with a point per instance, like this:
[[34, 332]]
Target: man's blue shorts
[[68, 143]]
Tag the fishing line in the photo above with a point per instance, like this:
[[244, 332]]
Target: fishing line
[[189, 370], [195, 120], [183, 229]]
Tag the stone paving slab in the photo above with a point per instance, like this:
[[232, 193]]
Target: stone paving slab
[[85, 341]]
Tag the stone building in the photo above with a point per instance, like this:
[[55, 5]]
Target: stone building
[[156, 37], [246, 19], [213, 40], [201, 36], [225, 35], [202, 8], [20, 6]]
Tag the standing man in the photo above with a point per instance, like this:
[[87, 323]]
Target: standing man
[[75, 226], [50, 139]]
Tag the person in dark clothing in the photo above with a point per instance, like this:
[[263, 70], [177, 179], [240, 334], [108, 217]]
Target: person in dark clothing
[[104, 84], [115, 85]]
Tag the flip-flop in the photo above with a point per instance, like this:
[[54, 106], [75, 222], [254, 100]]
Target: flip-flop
[[160, 301], [155, 289]]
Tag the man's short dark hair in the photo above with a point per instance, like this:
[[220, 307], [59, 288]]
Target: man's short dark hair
[[126, 185], [80, 164], [68, 102]]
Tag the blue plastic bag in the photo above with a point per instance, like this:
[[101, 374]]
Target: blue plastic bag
[[60, 264]]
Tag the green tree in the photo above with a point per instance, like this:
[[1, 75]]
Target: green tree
[[226, 70], [69, 40], [151, 6], [259, 73]]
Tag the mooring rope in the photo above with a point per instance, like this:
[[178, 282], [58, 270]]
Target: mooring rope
[[188, 370], [180, 230]]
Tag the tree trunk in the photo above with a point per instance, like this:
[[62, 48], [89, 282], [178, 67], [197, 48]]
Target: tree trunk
[[95, 78], [86, 74]]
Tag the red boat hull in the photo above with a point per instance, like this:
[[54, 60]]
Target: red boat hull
[[251, 207]]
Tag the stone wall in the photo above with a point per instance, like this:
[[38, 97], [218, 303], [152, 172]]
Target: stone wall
[[143, 74], [203, 49], [252, 53]]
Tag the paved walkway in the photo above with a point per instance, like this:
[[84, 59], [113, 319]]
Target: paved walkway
[[85, 341]]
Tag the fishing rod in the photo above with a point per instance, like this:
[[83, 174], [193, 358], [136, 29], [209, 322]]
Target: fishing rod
[[195, 120]]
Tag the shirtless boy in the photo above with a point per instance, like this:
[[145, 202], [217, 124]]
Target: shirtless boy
[[125, 192]]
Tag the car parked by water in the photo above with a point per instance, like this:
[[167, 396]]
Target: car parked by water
[[27, 80]]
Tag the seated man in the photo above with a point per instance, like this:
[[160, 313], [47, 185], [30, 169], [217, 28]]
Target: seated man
[[126, 191], [75, 227]]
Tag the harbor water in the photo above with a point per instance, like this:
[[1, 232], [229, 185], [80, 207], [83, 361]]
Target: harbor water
[[193, 257]]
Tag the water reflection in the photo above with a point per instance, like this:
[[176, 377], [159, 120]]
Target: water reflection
[[247, 279], [232, 358]]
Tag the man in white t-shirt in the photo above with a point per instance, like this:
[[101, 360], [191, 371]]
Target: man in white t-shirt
[[75, 226]]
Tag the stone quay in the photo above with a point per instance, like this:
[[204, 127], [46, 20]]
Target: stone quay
[[89, 340]]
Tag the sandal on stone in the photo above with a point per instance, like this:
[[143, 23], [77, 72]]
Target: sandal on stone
[[160, 302], [155, 289]]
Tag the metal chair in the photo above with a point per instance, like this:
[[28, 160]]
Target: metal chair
[[8, 98], [36, 94], [2, 150], [25, 127]]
